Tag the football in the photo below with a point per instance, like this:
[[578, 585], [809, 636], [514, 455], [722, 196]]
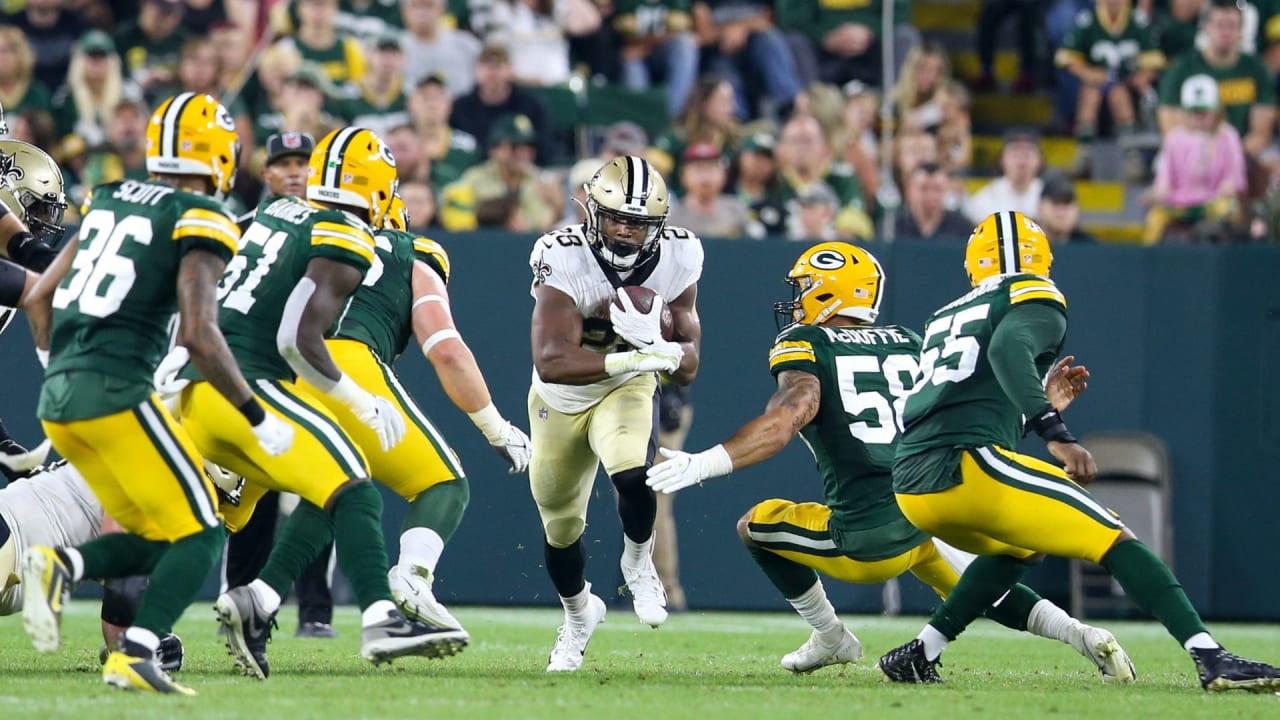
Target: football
[[642, 298]]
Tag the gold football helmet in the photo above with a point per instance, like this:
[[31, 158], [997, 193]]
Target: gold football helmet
[[630, 197], [31, 186], [353, 167], [833, 278], [1004, 244], [397, 217], [193, 134]]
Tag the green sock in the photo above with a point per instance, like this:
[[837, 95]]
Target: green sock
[[177, 578], [305, 536], [357, 532], [440, 508], [120, 555], [1153, 587], [791, 578], [983, 582], [1015, 608]]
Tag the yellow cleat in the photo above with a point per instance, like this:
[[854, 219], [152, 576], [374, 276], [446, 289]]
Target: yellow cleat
[[46, 584], [127, 672]]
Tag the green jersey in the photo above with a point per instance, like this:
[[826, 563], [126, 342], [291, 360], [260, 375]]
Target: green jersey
[[285, 235], [379, 315], [652, 18], [379, 114], [1123, 44], [1240, 87], [865, 373], [111, 312], [960, 401]]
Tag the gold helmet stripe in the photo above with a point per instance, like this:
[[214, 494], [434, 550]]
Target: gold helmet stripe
[[338, 148], [169, 128]]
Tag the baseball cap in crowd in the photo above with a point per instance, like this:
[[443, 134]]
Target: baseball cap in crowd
[[1200, 92], [283, 145], [96, 42], [388, 40], [1058, 188], [167, 5], [517, 129], [817, 194], [700, 151], [433, 78], [313, 75], [626, 138], [494, 52], [761, 142], [1021, 134]]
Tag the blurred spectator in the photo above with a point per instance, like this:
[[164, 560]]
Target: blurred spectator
[[412, 163], [34, 126], [1246, 90], [917, 96], [496, 96], [1018, 187], [575, 210], [1059, 214], [265, 89], [82, 108], [855, 137], [823, 102], [152, 45], [382, 103], [200, 15], [302, 103], [19, 89], [743, 44], [703, 207], [198, 72], [656, 41], [838, 42], [955, 134], [1202, 176], [710, 117], [1113, 53], [451, 151], [805, 159], [536, 31], [125, 153], [1176, 28], [990, 20], [759, 188], [811, 214], [420, 201], [365, 20], [233, 46], [621, 138], [508, 191], [432, 46], [913, 150], [317, 39], [52, 32], [925, 216]]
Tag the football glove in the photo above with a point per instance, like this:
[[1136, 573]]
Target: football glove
[[661, 356], [165, 379], [274, 435], [510, 441], [377, 412], [682, 469], [639, 329]]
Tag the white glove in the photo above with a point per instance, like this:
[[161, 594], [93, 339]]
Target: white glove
[[165, 379], [42, 355], [661, 356], [509, 440], [377, 412], [682, 469], [639, 329], [274, 435]]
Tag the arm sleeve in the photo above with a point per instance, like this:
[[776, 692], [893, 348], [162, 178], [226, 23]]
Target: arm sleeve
[[1028, 331]]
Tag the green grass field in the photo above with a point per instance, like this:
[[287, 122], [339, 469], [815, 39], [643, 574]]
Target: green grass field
[[699, 665]]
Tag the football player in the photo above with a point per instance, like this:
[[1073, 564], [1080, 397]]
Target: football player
[[595, 383], [298, 265], [404, 296], [144, 250], [957, 477], [841, 380]]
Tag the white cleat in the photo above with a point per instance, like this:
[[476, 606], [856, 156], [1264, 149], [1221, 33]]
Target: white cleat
[[411, 591], [1101, 647], [649, 597], [574, 634], [814, 655]]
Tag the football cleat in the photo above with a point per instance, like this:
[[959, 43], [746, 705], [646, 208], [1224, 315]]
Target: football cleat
[[1101, 647], [134, 667], [246, 629], [398, 636], [17, 462], [649, 597], [1220, 670], [46, 585], [170, 653], [316, 631], [411, 590], [574, 635], [814, 655], [908, 664]]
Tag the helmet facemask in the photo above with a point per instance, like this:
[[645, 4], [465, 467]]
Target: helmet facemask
[[44, 215], [618, 253]]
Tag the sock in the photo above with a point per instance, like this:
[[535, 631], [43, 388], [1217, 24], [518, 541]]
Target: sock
[[74, 561], [306, 534], [1201, 641], [1085, 133], [636, 553], [1014, 608], [637, 505], [791, 578], [143, 637], [357, 531], [934, 642], [266, 596], [984, 582], [576, 604], [1050, 621], [567, 567], [376, 612], [1148, 582], [420, 547], [119, 555], [816, 609], [177, 578], [439, 507]]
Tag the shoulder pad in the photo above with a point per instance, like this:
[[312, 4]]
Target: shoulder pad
[[433, 253], [1026, 288], [793, 345]]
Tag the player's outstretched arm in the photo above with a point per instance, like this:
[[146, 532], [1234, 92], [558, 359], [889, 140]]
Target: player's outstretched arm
[[19, 245], [456, 366], [793, 405], [38, 302], [688, 332]]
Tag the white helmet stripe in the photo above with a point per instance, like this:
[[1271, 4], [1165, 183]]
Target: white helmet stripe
[[644, 179], [1009, 241], [333, 159], [169, 126]]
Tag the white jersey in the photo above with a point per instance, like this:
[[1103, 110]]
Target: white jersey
[[562, 259]]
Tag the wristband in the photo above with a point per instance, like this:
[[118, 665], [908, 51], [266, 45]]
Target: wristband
[[489, 421], [43, 356], [718, 461], [619, 363], [347, 392], [1049, 426], [252, 411]]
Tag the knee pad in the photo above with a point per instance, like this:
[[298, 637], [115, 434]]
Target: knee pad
[[562, 532]]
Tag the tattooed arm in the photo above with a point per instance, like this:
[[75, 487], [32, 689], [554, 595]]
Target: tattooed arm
[[198, 276], [793, 405]]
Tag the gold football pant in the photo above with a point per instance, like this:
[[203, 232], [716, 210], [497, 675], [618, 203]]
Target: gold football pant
[[321, 459], [1012, 504], [619, 431], [420, 461], [800, 532], [143, 467]]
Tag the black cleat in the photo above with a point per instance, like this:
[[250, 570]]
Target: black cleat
[[1220, 670], [908, 664], [316, 629]]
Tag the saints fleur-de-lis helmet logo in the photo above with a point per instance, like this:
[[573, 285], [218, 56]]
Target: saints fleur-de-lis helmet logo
[[10, 170]]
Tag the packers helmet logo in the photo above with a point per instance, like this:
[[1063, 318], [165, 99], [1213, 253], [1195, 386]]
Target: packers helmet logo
[[10, 170], [384, 151], [222, 118], [827, 260]]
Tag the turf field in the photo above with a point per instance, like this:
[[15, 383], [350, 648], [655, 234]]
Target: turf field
[[699, 665]]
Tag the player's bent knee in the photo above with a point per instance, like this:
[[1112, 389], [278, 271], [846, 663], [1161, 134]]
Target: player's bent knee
[[744, 529], [563, 532], [333, 496]]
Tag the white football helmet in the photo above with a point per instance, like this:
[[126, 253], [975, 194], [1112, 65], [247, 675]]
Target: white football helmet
[[629, 195]]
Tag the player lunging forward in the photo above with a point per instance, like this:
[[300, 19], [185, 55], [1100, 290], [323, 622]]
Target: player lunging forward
[[841, 381]]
